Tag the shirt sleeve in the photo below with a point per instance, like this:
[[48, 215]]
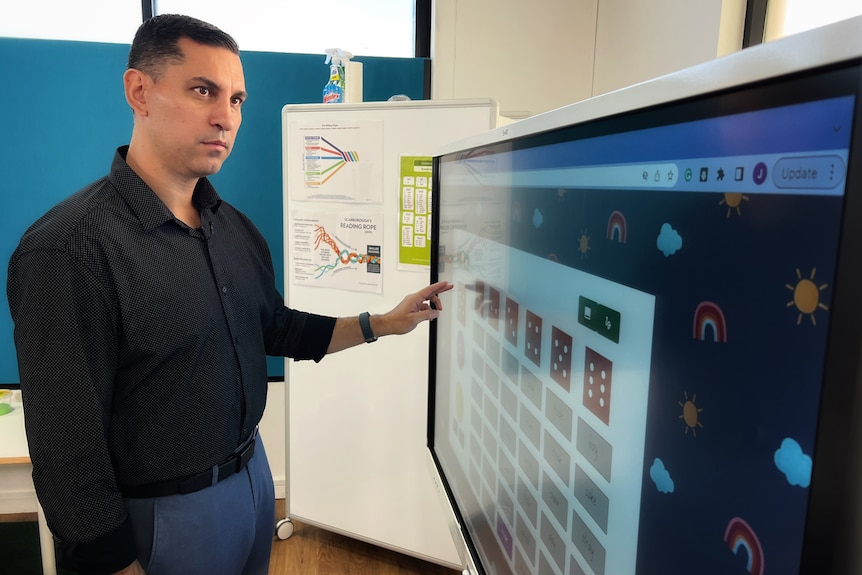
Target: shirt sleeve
[[299, 335], [66, 341]]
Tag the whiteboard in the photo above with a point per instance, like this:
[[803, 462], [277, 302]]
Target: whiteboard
[[356, 422]]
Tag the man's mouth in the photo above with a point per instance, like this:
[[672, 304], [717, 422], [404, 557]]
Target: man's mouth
[[217, 143]]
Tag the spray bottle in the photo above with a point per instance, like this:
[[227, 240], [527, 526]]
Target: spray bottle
[[333, 91]]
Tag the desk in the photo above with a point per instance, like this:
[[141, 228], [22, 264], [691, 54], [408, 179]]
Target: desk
[[17, 494]]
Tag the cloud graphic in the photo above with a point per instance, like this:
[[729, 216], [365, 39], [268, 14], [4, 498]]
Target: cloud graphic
[[795, 465], [669, 241], [660, 476], [537, 218]]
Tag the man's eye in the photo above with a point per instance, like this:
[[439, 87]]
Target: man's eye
[[203, 90]]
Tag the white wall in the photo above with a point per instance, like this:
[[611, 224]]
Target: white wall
[[534, 56], [638, 41], [531, 56]]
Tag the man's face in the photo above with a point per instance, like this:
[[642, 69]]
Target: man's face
[[195, 110]]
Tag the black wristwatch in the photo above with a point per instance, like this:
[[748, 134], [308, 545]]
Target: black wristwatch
[[365, 325]]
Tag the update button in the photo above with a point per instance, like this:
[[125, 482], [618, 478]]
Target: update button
[[820, 172]]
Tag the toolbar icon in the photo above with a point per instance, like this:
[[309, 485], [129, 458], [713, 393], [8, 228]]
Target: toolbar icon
[[759, 173]]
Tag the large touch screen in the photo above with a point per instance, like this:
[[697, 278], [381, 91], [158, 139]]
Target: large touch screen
[[628, 373]]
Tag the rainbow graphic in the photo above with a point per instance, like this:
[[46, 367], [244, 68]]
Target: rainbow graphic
[[739, 535], [708, 316], [617, 227], [320, 149]]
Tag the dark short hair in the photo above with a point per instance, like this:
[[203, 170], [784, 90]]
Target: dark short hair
[[155, 43]]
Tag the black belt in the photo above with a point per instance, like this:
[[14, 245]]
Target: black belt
[[233, 464]]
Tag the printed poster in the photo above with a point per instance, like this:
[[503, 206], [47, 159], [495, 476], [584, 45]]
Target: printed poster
[[340, 161], [342, 250], [415, 212]]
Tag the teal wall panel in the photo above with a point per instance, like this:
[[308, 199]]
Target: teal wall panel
[[64, 113]]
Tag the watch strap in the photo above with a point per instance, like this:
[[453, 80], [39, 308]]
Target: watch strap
[[365, 326]]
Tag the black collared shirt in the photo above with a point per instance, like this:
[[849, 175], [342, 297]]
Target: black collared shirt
[[141, 346]]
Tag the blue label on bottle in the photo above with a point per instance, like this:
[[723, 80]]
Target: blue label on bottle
[[332, 94]]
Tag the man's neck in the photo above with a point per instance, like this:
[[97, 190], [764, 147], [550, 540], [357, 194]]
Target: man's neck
[[175, 193]]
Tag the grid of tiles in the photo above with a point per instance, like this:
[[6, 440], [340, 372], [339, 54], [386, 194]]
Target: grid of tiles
[[539, 466]]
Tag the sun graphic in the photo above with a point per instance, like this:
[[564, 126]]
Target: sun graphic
[[806, 296], [689, 414], [732, 200], [584, 243]]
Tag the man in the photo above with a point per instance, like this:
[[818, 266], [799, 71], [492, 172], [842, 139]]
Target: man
[[144, 307]]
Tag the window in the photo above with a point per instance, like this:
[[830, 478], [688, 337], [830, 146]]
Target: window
[[113, 21], [364, 28], [369, 28], [786, 17]]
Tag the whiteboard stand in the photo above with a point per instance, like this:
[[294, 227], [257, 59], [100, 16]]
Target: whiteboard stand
[[355, 424]]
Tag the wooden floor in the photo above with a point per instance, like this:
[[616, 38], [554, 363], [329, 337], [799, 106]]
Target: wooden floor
[[314, 551]]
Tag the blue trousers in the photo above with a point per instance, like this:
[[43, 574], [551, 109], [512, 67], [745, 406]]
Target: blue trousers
[[226, 528]]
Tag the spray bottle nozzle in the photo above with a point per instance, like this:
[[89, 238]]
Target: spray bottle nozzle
[[337, 57]]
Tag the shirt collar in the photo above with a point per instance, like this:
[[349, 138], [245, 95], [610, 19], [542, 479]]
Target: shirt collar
[[148, 208]]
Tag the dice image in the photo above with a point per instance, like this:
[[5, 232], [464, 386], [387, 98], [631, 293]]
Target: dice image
[[561, 357], [533, 338], [512, 310], [494, 308], [598, 372]]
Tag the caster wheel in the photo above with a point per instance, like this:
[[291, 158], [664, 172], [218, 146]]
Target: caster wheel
[[283, 529]]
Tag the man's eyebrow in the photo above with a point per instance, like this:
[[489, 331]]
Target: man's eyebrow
[[215, 86]]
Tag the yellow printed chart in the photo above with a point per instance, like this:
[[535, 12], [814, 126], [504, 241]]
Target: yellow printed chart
[[415, 211]]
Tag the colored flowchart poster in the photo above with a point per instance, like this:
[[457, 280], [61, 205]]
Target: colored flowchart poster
[[342, 250], [415, 212], [341, 161]]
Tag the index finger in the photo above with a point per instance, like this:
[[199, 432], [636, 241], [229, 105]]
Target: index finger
[[435, 288]]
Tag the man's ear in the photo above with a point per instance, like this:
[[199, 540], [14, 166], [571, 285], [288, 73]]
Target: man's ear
[[136, 85]]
